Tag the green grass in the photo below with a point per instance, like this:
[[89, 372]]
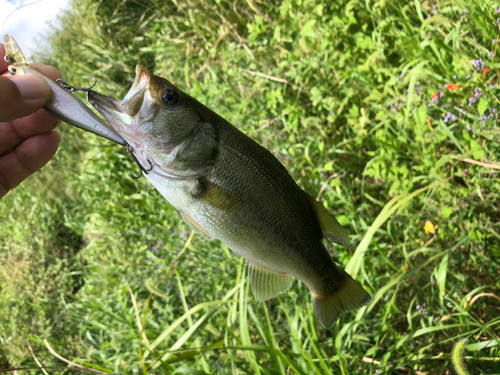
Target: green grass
[[342, 95]]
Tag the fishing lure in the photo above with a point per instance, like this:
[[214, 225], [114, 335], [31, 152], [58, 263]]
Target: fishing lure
[[62, 104]]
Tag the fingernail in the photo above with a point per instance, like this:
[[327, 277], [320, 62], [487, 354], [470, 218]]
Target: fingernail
[[32, 86]]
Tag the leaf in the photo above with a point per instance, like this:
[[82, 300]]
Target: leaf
[[421, 115], [190, 371], [450, 134], [482, 345], [446, 212], [343, 220], [483, 105], [441, 274], [365, 43]]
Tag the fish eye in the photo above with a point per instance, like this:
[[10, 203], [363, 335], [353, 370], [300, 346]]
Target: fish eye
[[170, 97]]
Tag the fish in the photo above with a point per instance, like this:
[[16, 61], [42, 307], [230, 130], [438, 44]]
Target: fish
[[62, 103], [227, 186]]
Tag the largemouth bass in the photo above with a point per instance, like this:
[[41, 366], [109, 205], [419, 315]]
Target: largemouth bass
[[229, 187]]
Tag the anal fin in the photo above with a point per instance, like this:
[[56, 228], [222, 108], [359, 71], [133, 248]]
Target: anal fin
[[350, 295], [267, 284]]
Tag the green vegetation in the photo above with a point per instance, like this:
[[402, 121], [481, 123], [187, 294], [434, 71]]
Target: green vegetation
[[351, 97]]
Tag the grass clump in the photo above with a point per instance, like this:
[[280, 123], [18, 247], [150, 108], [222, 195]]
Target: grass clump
[[387, 112]]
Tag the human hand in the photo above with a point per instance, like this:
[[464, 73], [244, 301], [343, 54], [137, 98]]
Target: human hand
[[27, 138]]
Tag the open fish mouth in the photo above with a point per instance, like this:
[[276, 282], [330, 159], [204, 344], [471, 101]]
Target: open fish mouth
[[123, 113]]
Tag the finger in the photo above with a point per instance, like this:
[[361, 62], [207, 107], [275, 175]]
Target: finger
[[3, 64], [14, 132], [22, 95], [27, 158], [47, 70]]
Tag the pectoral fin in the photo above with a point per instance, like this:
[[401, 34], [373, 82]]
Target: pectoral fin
[[266, 284], [332, 230], [194, 225], [215, 195]]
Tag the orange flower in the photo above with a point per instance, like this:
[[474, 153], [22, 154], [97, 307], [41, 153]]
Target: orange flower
[[485, 71], [435, 96], [451, 87]]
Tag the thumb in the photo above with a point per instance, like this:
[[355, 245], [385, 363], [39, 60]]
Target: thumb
[[22, 95]]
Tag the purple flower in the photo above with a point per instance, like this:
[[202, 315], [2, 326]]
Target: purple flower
[[364, 149], [465, 11], [494, 41], [183, 234], [454, 77], [343, 174], [492, 87], [377, 181], [449, 116], [497, 10], [310, 180], [445, 86], [468, 76], [351, 175], [462, 111], [492, 54], [159, 318], [478, 64]]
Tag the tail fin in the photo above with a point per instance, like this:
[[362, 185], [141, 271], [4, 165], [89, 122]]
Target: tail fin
[[350, 295]]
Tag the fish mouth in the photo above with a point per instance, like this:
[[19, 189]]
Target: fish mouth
[[121, 114]]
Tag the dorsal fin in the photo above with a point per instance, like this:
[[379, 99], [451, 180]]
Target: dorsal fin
[[332, 230]]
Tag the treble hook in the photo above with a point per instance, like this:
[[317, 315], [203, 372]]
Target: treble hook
[[130, 151], [70, 88]]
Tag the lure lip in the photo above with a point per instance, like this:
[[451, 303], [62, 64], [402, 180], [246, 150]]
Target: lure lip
[[13, 52]]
